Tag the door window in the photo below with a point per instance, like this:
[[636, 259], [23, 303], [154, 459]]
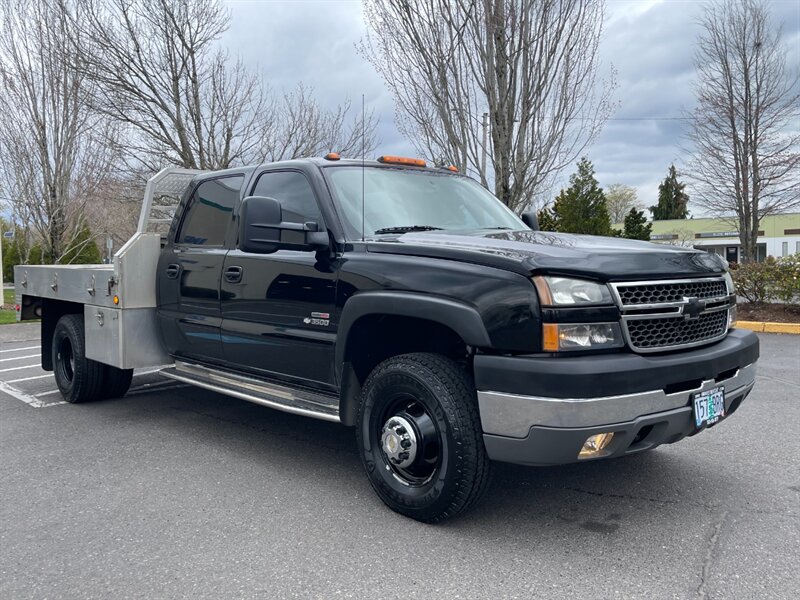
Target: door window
[[292, 190], [209, 212]]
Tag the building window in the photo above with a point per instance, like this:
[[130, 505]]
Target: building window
[[785, 249]]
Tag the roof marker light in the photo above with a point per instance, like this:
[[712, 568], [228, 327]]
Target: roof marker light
[[332, 156], [402, 160]]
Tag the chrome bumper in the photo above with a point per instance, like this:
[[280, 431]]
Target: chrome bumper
[[512, 415]]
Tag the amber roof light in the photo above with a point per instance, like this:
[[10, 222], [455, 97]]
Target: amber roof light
[[401, 160], [332, 156]]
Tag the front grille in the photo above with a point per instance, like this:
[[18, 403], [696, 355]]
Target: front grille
[[668, 315], [666, 291], [651, 334]]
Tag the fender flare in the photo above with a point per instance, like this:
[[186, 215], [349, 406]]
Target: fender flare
[[458, 316], [461, 318]]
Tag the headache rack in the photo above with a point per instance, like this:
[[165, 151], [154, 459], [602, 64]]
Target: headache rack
[[119, 299]]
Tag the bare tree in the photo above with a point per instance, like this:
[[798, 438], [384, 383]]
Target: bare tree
[[746, 157], [511, 80], [52, 146], [302, 128], [620, 199], [159, 71]]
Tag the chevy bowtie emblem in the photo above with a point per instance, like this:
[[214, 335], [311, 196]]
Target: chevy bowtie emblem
[[692, 308]]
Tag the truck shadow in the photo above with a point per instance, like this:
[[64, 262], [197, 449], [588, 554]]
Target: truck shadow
[[596, 499]]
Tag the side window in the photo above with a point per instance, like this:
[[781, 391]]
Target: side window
[[294, 193], [209, 211]]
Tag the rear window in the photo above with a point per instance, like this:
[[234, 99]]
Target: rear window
[[209, 212]]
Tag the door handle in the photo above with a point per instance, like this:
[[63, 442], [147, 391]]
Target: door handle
[[233, 274], [173, 271]]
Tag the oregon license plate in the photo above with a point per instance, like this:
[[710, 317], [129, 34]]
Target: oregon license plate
[[709, 406]]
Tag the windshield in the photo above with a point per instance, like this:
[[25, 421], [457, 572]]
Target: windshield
[[397, 198]]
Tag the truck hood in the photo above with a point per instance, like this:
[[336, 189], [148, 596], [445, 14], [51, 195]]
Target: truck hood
[[529, 252]]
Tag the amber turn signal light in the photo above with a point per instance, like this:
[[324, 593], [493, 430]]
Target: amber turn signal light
[[402, 160]]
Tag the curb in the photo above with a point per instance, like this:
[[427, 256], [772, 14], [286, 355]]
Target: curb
[[765, 327]]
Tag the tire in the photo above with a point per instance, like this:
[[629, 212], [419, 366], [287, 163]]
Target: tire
[[116, 382], [439, 470], [78, 378]]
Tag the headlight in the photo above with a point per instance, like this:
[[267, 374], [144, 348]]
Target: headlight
[[563, 337], [562, 291]]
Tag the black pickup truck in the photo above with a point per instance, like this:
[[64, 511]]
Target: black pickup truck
[[408, 302]]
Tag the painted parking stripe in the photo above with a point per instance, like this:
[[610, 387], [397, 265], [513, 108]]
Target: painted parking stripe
[[36, 366], [26, 398], [20, 357], [29, 378], [21, 349]]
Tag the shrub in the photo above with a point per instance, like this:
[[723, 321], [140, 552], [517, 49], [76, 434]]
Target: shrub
[[769, 280], [786, 283], [753, 281]]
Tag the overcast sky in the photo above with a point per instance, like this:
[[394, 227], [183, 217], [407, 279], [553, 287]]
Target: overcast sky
[[649, 42]]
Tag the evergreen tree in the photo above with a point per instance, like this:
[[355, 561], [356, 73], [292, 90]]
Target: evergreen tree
[[82, 250], [636, 226], [672, 200], [581, 208], [547, 220]]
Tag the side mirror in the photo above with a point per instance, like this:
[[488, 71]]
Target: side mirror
[[263, 231], [531, 220]]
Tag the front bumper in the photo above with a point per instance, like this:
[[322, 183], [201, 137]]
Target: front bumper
[[644, 400]]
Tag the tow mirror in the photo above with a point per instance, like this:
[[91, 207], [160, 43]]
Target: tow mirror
[[263, 231], [531, 219]]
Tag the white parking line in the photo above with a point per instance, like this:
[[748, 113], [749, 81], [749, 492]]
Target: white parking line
[[20, 357], [35, 401], [30, 378], [20, 349], [20, 368], [26, 398]]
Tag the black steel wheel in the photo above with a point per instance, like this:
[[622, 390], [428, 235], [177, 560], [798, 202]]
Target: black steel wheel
[[419, 437], [78, 378]]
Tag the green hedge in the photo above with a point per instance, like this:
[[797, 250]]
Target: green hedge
[[768, 281]]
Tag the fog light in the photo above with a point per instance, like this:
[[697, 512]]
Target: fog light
[[595, 444]]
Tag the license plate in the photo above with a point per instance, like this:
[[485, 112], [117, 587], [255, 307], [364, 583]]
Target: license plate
[[709, 406]]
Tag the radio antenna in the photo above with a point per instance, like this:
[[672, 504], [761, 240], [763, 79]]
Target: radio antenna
[[363, 154]]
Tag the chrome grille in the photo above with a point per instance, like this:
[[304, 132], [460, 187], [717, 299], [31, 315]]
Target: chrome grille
[[666, 291], [669, 315], [650, 334]]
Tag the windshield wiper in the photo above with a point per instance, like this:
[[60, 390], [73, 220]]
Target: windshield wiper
[[406, 229]]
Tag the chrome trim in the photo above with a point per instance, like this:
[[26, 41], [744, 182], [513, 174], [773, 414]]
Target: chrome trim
[[671, 310], [512, 415], [285, 398], [615, 292]]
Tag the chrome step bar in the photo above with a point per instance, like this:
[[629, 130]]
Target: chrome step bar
[[280, 397]]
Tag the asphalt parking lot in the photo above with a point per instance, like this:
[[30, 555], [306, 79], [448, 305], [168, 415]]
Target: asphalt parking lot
[[177, 492]]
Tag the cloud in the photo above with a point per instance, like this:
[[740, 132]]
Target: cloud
[[651, 43]]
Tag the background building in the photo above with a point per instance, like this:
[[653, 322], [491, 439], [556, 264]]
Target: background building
[[779, 235]]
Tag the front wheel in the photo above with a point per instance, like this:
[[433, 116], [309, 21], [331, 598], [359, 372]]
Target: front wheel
[[419, 437]]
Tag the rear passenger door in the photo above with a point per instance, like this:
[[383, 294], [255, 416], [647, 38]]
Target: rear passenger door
[[189, 271], [277, 308]]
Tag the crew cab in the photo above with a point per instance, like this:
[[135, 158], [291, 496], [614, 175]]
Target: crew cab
[[409, 303]]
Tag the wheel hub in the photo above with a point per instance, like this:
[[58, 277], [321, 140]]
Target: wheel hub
[[399, 442]]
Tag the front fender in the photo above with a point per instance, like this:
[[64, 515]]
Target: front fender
[[458, 316]]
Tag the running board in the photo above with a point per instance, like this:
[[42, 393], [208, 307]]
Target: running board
[[287, 399]]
